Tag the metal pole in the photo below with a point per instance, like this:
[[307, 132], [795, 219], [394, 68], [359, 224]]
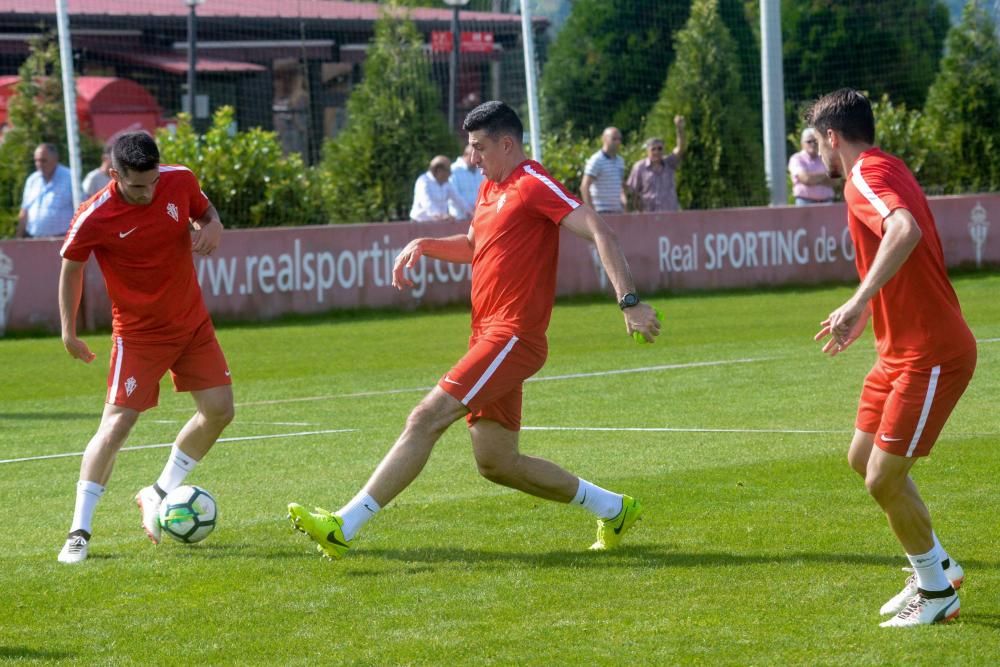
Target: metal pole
[[192, 57], [453, 67], [69, 100], [528, 37], [772, 81]]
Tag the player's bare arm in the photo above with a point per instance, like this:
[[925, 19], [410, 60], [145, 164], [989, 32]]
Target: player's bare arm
[[456, 249], [900, 235], [208, 232], [70, 291], [587, 224]]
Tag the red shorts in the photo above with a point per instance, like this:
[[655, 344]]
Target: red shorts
[[195, 362], [906, 408], [488, 379]]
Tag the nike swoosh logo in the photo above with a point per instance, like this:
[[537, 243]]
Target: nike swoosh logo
[[450, 381], [885, 439], [618, 528], [584, 499], [122, 235], [332, 538], [228, 373]]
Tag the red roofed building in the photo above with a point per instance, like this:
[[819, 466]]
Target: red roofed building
[[288, 66]]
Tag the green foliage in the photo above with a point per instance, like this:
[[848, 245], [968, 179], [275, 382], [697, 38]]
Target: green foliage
[[394, 127], [723, 163], [608, 62], [903, 132], [888, 47], [35, 115], [963, 106], [244, 173]]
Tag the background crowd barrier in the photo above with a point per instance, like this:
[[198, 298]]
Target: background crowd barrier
[[263, 274]]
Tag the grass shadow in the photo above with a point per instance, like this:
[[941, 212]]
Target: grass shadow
[[28, 653]]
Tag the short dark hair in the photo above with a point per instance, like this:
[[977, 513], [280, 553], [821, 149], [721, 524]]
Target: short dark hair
[[847, 111], [135, 151], [496, 118]]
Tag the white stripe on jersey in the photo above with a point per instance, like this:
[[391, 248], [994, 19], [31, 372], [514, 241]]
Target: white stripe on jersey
[[105, 196], [552, 186], [866, 190], [119, 353], [490, 370], [928, 400]]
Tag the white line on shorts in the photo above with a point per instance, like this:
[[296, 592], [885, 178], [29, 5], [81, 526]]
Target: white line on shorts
[[170, 444], [570, 376]]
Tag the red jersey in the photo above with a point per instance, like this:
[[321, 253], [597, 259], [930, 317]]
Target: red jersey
[[516, 232], [916, 315], [145, 255]]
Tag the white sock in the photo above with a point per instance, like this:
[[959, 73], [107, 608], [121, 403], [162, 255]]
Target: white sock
[[87, 495], [357, 513], [178, 466], [930, 574], [942, 554], [605, 504]]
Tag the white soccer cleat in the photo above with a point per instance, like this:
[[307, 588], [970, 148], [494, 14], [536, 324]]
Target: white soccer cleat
[[148, 499], [75, 549], [921, 610], [954, 572]]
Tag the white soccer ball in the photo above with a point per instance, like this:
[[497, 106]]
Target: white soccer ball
[[188, 514]]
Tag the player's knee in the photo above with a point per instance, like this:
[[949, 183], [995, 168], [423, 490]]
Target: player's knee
[[883, 488], [497, 469], [425, 419], [858, 464], [219, 412], [115, 429]]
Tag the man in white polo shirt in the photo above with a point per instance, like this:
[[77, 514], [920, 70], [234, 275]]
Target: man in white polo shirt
[[603, 176]]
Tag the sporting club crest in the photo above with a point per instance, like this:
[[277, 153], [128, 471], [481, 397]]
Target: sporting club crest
[[8, 281], [979, 229]]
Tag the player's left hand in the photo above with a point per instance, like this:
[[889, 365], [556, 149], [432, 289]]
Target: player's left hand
[[406, 259], [844, 326], [206, 238], [642, 318]]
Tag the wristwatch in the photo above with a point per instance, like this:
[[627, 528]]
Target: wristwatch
[[630, 299]]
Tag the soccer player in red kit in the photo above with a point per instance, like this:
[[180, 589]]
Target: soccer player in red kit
[[139, 229], [513, 246], [926, 353]]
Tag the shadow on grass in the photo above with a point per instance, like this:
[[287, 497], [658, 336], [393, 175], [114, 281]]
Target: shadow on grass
[[637, 556], [985, 620], [47, 416], [27, 653]]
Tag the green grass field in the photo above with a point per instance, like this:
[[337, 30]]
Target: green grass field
[[759, 546]]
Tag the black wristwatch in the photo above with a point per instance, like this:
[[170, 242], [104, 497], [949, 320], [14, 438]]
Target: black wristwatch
[[630, 299]]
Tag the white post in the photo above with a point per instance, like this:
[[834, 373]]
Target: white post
[[69, 100], [528, 36], [772, 82]]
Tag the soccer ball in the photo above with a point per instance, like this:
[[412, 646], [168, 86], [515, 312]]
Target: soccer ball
[[188, 514]]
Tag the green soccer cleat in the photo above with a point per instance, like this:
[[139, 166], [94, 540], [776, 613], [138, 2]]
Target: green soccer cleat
[[611, 531], [324, 528]]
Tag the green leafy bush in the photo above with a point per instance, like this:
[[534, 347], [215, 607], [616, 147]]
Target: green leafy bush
[[249, 180]]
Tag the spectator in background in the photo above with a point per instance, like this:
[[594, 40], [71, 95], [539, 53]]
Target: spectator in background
[[433, 194], [603, 175], [47, 202], [466, 177], [98, 178], [810, 182], [652, 182]]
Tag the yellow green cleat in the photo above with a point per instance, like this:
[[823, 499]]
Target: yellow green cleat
[[324, 528], [611, 531]]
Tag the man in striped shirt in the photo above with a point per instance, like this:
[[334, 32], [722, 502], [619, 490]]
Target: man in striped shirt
[[604, 174], [926, 352], [513, 246]]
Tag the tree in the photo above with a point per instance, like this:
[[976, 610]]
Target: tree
[[608, 62], [963, 106], [394, 127], [888, 47], [35, 115], [723, 165]]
